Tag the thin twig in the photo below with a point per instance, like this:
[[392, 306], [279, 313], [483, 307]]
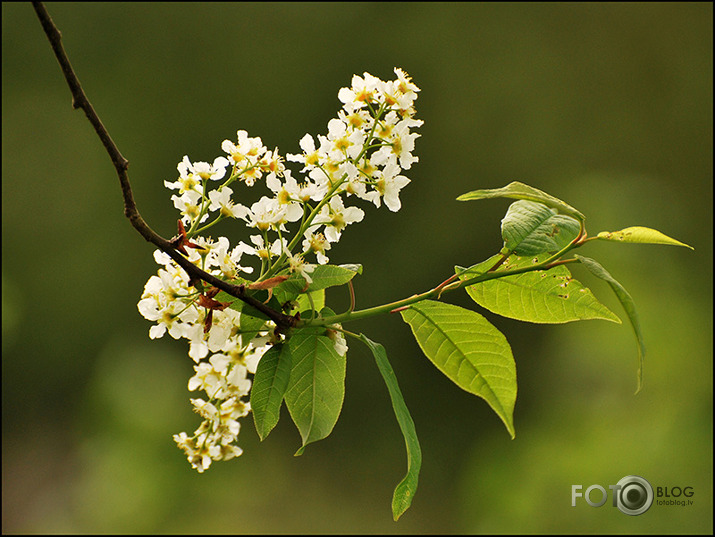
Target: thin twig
[[80, 100]]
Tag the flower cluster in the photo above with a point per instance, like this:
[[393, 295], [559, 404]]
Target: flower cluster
[[362, 155], [211, 328]]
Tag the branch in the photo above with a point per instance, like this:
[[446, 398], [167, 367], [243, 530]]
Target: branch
[[80, 100]]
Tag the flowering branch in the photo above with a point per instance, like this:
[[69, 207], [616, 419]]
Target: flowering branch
[[80, 100], [302, 362]]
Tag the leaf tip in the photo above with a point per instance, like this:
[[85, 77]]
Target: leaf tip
[[615, 319], [510, 428], [640, 234], [397, 514], [401, 501], [640, 381]]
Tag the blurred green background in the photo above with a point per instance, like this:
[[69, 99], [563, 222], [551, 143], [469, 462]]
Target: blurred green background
[[607, 106]]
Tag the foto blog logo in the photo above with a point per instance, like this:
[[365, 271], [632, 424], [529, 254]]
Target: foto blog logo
[[633, 495]]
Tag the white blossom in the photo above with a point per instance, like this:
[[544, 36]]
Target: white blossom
[[361, 157]]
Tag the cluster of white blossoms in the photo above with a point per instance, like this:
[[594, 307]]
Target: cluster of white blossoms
[[363, 154], [212, 330]]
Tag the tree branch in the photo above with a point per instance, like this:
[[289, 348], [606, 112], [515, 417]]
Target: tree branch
[[80, 100]]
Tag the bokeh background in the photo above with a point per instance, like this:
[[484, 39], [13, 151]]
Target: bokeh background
[[607, 106]]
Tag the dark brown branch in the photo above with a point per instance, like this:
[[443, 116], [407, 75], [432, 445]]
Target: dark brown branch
[[80, 100]]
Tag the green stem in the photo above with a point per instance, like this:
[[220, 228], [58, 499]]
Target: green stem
[[304, 226], [207, 226], [446, 286]]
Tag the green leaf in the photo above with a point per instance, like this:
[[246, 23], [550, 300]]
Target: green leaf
[[316, 388], [240, 306], [269, 386], [405, 490], [520, 191], [469, 350], [323, 276], [531, 228], [628, 305], [251, 321], [250, 326], [290, 289], [355, 267], [541, 296], [317, 304], [638, 234]]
